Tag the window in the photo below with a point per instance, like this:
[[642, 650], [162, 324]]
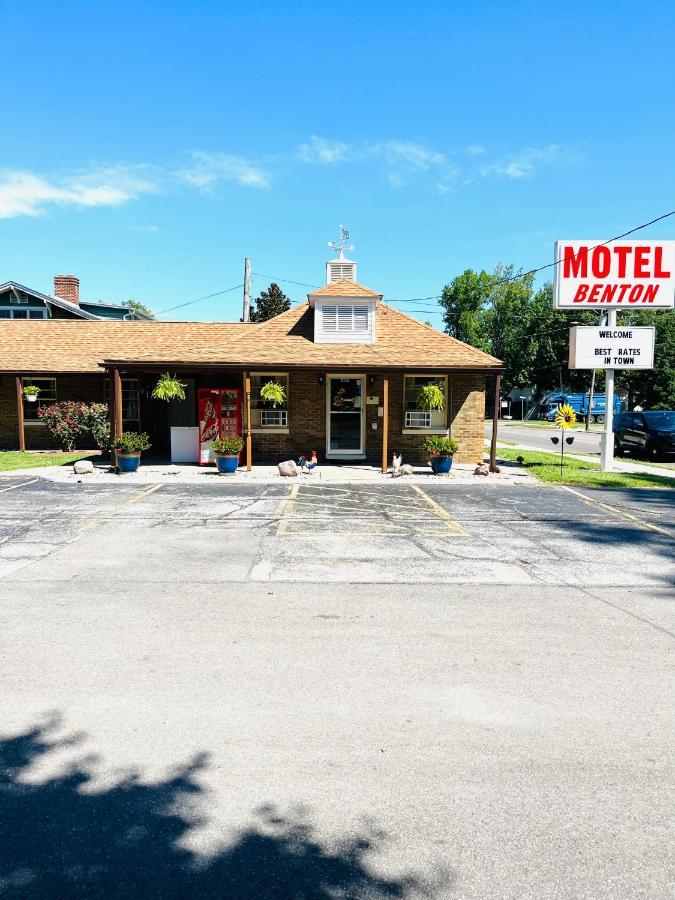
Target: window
[[37, 313], [413, 417], [131, 415], [263, 413], [131, 419], [345, 318], [46, 397]]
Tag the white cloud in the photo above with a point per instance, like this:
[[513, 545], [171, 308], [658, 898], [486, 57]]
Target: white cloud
[[25, 193], [210, 169], [475, 150], [407, 155], [524, 164], [321, 151]]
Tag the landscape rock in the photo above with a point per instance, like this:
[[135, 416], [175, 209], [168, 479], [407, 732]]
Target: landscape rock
[[83, 467], [482, 469], [288, 468]]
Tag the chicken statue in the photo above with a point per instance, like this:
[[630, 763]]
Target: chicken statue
[[308, 465]]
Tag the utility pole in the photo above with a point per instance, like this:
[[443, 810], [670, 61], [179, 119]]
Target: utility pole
[[607, 444], [247, 291], [590, 394]]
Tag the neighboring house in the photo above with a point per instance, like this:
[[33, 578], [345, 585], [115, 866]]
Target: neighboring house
[[20, 302], [351, 367]]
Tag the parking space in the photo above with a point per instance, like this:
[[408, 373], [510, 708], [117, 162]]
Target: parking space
[[337, 533]]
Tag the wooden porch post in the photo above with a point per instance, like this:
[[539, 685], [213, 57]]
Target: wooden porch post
[[19, 413], [117, 403], [385, 423], [495, 423], [247, 399]]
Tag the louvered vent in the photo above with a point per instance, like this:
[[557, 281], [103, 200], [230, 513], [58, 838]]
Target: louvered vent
[[337, 270], [329, 318], [361, 318]]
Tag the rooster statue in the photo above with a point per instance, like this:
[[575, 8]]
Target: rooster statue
[[308, 465]]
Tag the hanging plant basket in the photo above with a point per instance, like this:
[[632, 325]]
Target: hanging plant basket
[[168, 388], [273, 393], [31, 392], [430, 397]]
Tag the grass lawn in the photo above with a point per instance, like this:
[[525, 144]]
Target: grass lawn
[[546, 467], [10, 460]]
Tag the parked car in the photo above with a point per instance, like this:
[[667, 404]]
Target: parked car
[[651, 432]]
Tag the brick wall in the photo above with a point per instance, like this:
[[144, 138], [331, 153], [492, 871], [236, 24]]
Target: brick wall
[[306, 417], [307, 421], [88, 388]]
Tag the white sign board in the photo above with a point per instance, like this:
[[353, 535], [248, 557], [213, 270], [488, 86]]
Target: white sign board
[[634, 274], [620, 347]]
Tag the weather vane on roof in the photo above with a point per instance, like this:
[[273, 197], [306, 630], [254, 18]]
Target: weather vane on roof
[[342, 243]]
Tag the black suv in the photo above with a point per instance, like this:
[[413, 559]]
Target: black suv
[[651, 432]]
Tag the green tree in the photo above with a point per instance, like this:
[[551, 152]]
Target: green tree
[[464, 303], [647, 387], [139, 307], [270, 303]]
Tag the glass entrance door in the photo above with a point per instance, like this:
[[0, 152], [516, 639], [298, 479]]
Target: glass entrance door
[[345, 417]]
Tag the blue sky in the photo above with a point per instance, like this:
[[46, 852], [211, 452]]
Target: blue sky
[[148, 148]]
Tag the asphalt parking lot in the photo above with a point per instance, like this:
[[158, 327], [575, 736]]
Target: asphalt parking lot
[[343, 533], [334, 691]]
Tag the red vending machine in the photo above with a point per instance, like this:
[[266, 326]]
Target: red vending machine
[[220, 415]]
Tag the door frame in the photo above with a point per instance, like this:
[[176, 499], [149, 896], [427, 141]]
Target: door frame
[[346, 454]]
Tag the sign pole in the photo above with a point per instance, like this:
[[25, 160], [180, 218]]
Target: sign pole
[[607, 447]]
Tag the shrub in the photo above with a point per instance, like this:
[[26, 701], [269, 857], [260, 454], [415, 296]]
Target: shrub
[[69, 419], [97, 422], [436, 445], [132, 442], [228, 446], [168, 388], [65, 422], [430, 396]]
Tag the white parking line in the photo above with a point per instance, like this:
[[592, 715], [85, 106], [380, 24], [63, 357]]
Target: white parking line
[[14, 487]]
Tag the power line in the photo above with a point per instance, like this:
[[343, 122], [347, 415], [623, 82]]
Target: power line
[[199, 299], [288, 280], [501, 281], [555, 263]]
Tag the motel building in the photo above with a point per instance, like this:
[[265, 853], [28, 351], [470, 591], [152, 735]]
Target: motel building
[[350, 364]]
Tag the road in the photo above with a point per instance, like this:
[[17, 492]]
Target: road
[[586, 442], [354, 691]]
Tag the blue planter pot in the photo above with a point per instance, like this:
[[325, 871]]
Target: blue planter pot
[[128, 462], [441, 465], [227, 465]]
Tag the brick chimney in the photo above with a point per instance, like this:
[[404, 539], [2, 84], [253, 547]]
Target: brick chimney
[[67, 287]]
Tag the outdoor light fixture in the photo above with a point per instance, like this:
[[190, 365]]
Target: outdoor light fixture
[[371, 379], [320, 379]]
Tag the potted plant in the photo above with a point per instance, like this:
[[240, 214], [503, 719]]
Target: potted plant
[[440, 450], [226, 452], [31, 392], [129, 447], [430, 397], [168, 388], [273, 393]]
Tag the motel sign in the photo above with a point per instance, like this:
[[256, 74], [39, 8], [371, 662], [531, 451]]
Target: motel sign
[[622, 274]]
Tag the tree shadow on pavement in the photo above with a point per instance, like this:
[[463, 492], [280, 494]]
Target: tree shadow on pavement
[[63, 838]]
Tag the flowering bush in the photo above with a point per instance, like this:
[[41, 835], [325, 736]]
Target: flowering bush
[[69, 419], [97, 422]]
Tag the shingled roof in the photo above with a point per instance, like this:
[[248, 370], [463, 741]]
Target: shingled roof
[[343, 287], [285, 341]]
